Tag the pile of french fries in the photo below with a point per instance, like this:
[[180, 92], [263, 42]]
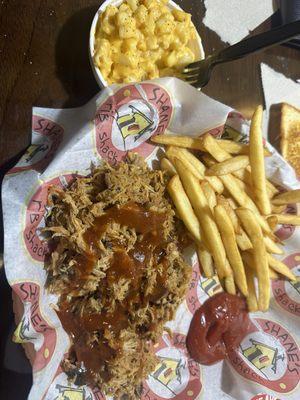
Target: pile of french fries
[[230, 209]]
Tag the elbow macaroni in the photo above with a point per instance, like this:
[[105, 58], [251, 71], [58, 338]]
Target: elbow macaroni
[[142, 39]]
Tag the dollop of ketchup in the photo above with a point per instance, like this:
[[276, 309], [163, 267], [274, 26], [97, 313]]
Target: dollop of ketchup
[[217, 328]]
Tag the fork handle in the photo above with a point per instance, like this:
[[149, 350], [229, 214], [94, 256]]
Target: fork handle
[[257, 43], [290, 11]]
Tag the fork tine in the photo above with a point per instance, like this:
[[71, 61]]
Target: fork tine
[[191, 80], [188, 69], [190, 74], [193, 65]]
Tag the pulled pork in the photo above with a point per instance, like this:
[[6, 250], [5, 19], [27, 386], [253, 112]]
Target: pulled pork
[[117, 270]]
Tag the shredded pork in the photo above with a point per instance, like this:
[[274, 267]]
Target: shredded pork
[[118, 271]]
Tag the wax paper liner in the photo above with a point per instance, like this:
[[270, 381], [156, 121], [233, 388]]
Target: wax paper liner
[[64, 144]]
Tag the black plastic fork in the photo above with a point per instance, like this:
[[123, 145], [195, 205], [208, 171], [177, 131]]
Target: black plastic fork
[[198, 73]]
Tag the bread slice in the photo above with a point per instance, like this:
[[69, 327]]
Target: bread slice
[[290, 135]]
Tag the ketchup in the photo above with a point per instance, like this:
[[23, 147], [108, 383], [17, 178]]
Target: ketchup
[[217, 328]]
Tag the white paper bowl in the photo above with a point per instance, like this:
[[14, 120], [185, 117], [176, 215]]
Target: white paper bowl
[[196, 44]]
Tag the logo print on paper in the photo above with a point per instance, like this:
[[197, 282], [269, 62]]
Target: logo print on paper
[[34, 217], [263, 357], [33, 327], [287, 293], [126, 120], [133, 121], [201, 288], [268, 355], [233, 134], [46, 138], [61, 389], [175, 375], [68, 393]]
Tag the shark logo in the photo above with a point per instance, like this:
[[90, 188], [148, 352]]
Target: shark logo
[[61, 389], [262, 356], [128, 118], [211, 286], [46, 138], [167, 371], [287, 293], [233, 134], [176, 375], [268, 355], [135, 121], [171, 375], [68, 393], [35, 151]]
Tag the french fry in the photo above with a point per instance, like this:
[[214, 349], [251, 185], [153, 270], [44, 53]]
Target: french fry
[[257, 162], [206, 261], [183, 207], [208, 160], [278, 209], [247, 257], [289, 219], [260, 258], [229, 285], [211, 145], [243, 241], [196, 167], [209, 194], [280, 267], [272, 221], [242, 174], [235, 176], [228, 237], [233, 147], [236, 148], [196, 143], [209, 228], [273, 274], [193, 160], [179, 141], [244, 200], [232, 203], [272, 190], [213, 180], [251, 299], [271, 246], [290, 197], [242, 185], [228, 166], [167, 166], [223, 201], [245, 176]]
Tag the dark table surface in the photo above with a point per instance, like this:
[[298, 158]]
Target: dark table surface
[[44, 62]]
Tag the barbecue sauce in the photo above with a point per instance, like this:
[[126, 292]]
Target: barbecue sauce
[[129, 265]]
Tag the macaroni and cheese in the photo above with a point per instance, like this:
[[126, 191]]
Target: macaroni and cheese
[[142, 39]]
